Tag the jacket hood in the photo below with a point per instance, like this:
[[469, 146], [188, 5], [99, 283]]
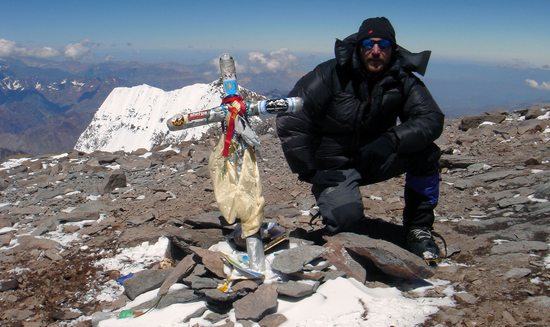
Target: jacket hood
[[346, 53]]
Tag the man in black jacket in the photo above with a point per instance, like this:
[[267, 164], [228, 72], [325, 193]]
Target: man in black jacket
[[347, 134]]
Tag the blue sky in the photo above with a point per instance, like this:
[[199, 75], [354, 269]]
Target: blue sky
[[498, 50], [501, 31]]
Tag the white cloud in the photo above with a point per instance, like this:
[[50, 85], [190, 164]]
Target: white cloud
[[10, 48], [78, 50], [545, 86], [7, 48], [276, 61]]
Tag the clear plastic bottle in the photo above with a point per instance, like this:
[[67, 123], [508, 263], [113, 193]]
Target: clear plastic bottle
[[228, 75], [255, 251]]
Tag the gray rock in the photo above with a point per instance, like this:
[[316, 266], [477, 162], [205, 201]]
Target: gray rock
[[4, 183], [205, 220], [533, 113], [134, 163], [116, 180], [453, 161], [519, 247], [47, 193], [183, 295], [497, 175], [338, 256], [144, 281], [465, 298], [517, 273], [211, 260], [273, 320], [543, 191], [45, 225], [28, 210], [8, 284], [474, 121], [540, 301], [296, 289], [244, 286], [199, 283], [388, 257], [255, 306], [106, 158], [183, 268], [219, 301], [215, 317], [465, 183], [140, 219], [505, 203], [293, 260], [28, 243], [477, 167]]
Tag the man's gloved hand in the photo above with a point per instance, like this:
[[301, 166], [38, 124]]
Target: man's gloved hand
[[307, 176], [379, 150]]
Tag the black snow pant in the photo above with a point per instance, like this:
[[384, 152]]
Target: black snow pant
[[339, 198]]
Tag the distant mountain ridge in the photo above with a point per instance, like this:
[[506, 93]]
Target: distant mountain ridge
[[46, 105], [134, 118]]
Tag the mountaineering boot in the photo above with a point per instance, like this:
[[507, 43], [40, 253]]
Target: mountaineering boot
[[421, 242]]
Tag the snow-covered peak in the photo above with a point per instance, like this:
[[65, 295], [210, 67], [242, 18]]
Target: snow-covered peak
[[11, 84], [135, 117]]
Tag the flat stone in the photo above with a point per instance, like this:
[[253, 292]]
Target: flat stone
[[144, 281], [388, 257], [293, 260], [337, 255], [205, 220], [16, 314], [211, 260], [540, 301], [244, 286], [134, 163], [182, 269], [296, 289], [140, 219], [273, 320], [106, 158], [65, 315], [8, 284], [519, 247], [453, 161], [183, 295], [255, 306], [27, 243], [76, 216], [465, 298], [517, 273], [28, 210], [53, 255], [4, 183], [504, 203], [474, 121], [116, 180], [497, 175], [199, 283], [543, 191], [219, 301]]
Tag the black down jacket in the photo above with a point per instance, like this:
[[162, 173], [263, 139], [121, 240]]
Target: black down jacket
[[342, 112]]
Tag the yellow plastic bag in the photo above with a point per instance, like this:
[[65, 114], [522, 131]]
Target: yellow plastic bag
[[237, 187]]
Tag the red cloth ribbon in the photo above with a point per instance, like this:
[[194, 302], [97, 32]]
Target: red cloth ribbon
[[236, 107]]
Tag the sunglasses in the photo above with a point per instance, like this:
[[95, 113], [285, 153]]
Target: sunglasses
[[369, 44]]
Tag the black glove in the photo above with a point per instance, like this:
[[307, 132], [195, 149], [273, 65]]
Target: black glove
[[379, 150], [307, 176]]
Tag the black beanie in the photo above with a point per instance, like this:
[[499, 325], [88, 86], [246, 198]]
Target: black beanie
[[376, 27]]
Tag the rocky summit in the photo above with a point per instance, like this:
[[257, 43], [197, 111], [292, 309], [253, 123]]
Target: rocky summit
[[60, 215]]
